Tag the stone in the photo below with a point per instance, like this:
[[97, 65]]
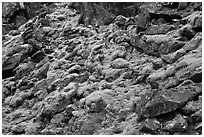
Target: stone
[[69, 78], [97, 101], [74, 69], [20, 20], [120, 20], [182, 5], [193, 43], [167, 17], [178, 124], [187, 31], [197, 116], [9, 8], [41, 73], [119, 63], [61, 17], [112, 74], [9, 63], [159, 29], [33, 128], [150, 126], [168, 100], [172, 57], [156, 44], [195, 20], [19, 128], [38, 56], [142, 21], [6, 28], [54, 104]]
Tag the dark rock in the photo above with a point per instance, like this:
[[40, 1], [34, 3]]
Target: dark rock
[[38, 56], [195, 20], [120, 20], [142, 21], [169, 100], [156, 44], [6, 28], [168, 17], [9, 63], [159, 29], [197, 116], [150, 126], [178, 124], [182, 5], [192, 106], [187, 31], [9, 8], [119, 63]]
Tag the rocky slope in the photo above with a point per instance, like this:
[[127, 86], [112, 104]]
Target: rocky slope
[[136, 75]]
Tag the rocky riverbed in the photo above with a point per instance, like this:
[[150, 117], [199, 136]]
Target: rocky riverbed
[[135, 75]]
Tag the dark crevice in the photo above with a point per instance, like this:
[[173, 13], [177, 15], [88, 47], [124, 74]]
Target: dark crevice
[[8, 73], [197, 78]]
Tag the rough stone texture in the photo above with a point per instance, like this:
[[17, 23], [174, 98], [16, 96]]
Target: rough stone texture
[[169, 100], [157, 44], [117, 69], [178, 124], [159, 29]]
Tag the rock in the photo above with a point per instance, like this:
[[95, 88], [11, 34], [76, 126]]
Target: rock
[[71, 77], [53, 104], [142, 21], [61, 17], [23, 69], [20, 20], [197, 116], [97, 101], [10, 63], [187, 31], [120, 20], [71, 89], [182, 5], [192, 106], [6, 28], [156, 44], [193, 43], [190, 61], [19, 128], [112, 74], [178, 124], [119, 63], [168, 100], [159, 29], [167, 17], [150, 126], [172, 57], [9, 8], [195, 20], [42, 72], [38, 56], [33, 128], [74, 69]]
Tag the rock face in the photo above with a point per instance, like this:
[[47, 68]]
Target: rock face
[[102, 68]]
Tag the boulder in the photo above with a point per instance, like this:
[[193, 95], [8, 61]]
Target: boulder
[[119, 63], [178, 124], [192, 106], [159, 29], [156, 44], [169, 100], [97, 101], [150, 126], [187, 31]]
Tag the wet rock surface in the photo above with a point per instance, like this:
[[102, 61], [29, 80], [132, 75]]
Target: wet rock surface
[[130, 69]]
